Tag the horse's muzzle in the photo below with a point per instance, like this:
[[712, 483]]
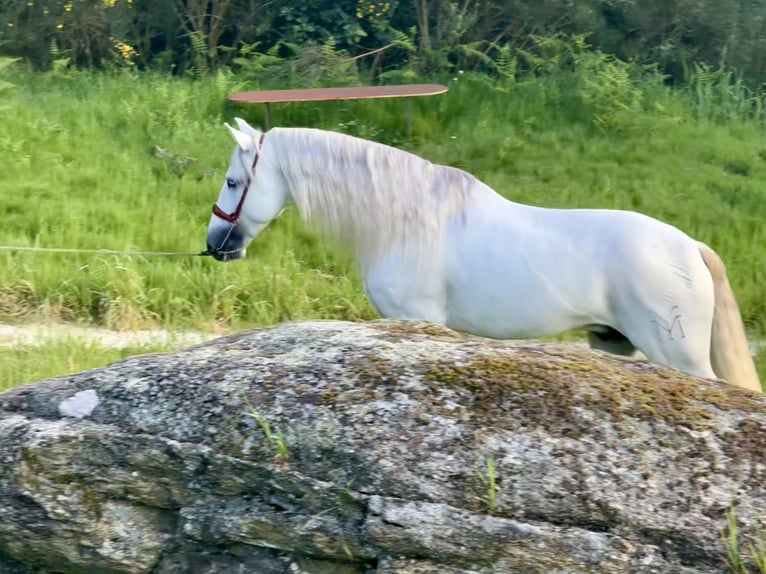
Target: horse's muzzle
[[226, 244], [220, 255]]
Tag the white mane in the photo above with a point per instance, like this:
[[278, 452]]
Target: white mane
[[366, 193]]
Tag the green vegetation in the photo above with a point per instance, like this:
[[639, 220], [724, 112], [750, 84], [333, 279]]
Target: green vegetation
[[61, 356], [128, 160], [134, 161], [737, 556], [273, 440], [488, 481], [385, 36], [115, 141]]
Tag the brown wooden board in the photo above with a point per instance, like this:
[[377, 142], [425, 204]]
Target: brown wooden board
[[344, 93]]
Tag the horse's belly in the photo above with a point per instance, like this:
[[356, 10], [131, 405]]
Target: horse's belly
[[481, 311], [494, 297], [506, 286]]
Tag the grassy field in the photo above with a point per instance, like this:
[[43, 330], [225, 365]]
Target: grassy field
[[25, 363], [130, 161]]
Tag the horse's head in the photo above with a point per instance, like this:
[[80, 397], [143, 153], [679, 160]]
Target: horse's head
[[253, 194]]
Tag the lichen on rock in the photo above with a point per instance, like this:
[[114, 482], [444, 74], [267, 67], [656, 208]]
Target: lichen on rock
[[354, 448]]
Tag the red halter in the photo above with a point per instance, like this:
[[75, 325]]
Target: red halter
[[233, 217]]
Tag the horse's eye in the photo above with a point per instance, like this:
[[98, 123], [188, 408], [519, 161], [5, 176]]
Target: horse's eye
[[231, 183]]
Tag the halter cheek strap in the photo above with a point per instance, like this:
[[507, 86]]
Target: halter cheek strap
[[233, 217]]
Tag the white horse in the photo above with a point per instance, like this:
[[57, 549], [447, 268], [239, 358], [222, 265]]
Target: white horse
[[434, 243]]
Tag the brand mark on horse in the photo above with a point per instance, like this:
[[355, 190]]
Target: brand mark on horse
[[667, 327]]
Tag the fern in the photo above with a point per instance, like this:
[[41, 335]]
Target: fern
[[5, 85], [499, 60], [403, 41], [507, 65], [720, 96], [249, 59], [222, 81], [472, 51], [200, 52], [328, 48]]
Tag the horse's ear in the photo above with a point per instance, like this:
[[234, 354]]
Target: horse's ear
[[243, 140], [247, 128]]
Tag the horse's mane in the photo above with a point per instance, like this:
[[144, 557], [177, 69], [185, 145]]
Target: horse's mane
[[366, 193]]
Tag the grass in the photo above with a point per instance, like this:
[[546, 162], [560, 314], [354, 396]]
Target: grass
[[488, 480], [98, 162], [62, 356], [273, 440], [739, 554], [130, 161]]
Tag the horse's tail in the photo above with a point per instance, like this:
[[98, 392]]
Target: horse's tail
[[729, 351]]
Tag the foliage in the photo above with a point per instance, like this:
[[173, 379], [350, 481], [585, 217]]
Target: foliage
[[613, 92], [5, 85], [152, 150], [80, 30], [392, 39], [321, 66], [304, 21], [720, 96]]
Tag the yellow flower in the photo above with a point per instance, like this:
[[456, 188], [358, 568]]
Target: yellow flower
[[59, 26], [126, 50], [68, 7]]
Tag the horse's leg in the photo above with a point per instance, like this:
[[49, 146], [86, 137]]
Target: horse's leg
[[681, 339], [665, 309], [610, 340]]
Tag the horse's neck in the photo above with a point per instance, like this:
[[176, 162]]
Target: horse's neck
[[338, 171], [489, 203], [298, 150]]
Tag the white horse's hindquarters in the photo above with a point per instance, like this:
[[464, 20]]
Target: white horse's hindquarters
[[543, 272], [667, 310]]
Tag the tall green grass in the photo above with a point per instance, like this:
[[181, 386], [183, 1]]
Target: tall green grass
[[26, 363], [130, 161]]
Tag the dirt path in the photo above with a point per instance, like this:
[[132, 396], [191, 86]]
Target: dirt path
[[42, 333]]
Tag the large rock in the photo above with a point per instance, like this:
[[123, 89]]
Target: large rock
[[382, 436]]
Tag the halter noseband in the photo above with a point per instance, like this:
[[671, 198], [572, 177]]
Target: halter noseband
[[233, 217]]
